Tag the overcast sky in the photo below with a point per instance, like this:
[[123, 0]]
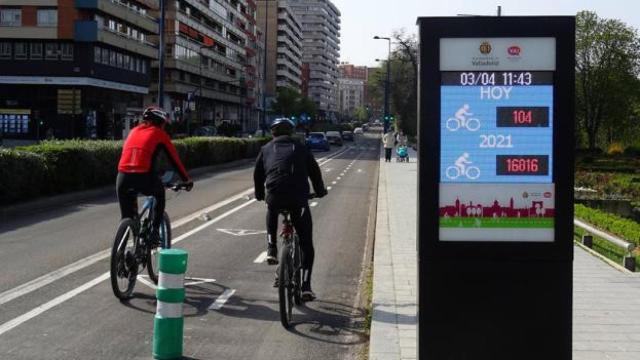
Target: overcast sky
[[362, 19]]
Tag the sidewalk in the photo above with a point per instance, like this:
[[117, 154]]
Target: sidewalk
[[394, 319], [606, 325]]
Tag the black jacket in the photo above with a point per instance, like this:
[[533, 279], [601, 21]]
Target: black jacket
[[283, 166]]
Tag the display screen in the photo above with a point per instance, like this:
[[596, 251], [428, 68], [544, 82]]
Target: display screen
[[496, 147]]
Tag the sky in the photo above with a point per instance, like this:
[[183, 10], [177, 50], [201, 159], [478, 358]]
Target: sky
[[363, 19]]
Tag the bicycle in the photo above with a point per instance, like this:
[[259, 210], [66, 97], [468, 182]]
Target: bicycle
[[471, 172], [289, 269], [133, 249], [471, 124]]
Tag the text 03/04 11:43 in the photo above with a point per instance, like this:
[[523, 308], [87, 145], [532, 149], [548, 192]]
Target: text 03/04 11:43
[[493, 78]]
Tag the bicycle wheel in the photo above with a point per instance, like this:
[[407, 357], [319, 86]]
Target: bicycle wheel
[[154, 249], [473, 124], [297, 275], [455, 124], [124, 268], [285, 287]]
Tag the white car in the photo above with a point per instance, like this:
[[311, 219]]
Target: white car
[[358, 131]]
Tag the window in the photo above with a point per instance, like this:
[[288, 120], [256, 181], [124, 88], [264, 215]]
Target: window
[[21, 51], [127, 62], [36, 51], [138, 65], [105, 56], [11, 17], [51, 51], [67, 51], [112, 25], [47, 17], [132, 64], [5, 50], [144, 66], [120, 58], [97, 55], [113, 58]]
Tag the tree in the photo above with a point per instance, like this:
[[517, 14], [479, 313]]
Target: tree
[[289, 102], [607, 85], [361, 114]]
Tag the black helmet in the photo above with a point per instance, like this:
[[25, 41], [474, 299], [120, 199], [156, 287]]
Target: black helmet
[[282, 126], [155, 115], [282, 122]]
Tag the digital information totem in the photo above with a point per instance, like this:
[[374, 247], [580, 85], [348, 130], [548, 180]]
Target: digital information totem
[[496, 135]]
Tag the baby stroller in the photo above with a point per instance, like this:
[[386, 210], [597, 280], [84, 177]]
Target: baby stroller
[[402, 154]]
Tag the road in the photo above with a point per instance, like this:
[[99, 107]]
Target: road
[[56, 300]]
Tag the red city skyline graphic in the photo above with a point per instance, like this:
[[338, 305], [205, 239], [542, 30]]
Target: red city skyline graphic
[[459, 209]]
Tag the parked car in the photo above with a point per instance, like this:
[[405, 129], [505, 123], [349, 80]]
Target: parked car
[[206, 131], [358, 131], [317, 140], [334, 138], [347, 135]]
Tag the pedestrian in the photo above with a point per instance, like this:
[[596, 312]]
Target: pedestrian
[[387, 141], [401, 139]]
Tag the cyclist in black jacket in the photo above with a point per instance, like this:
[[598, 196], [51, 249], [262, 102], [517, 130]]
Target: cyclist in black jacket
[[284, 166]]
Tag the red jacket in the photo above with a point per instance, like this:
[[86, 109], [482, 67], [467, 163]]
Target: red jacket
[[141, 147]]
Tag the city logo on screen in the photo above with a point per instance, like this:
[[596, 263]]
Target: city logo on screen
[[485, 48]]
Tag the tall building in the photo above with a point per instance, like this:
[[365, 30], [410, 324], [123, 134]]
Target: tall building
[[351, 96], [352, 87], [284, 46], [321, 50], [212, 63], [74, 68]]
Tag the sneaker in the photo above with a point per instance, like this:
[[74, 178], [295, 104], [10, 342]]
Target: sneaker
[[272, 254], [307, 293]]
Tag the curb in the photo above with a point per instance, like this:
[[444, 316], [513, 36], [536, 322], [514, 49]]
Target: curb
[[78, 197]]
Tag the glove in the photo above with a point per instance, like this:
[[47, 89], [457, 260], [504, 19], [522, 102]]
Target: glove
[[322, 193], [188, 185]]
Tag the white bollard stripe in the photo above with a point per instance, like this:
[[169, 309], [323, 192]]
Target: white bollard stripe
[[169, 310], [171, 281]]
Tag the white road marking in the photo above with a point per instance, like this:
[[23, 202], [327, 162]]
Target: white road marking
[[35, 284], [338, 178], [142, 279], [219, 303], [314, 204], [359, 170], [70, 294], [197, 281], [334, 182], [261, 258], [241, 232], [328, 187], [48, 305]]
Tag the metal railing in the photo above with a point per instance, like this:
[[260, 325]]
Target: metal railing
[[628, 260]]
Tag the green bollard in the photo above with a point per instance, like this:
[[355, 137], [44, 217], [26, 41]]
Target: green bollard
[[168, 324]]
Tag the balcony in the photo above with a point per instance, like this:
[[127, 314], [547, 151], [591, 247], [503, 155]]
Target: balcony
[[28, 32], [89, 31], [122, 12]]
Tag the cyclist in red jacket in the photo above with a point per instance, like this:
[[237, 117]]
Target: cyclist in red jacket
[[137, 170]]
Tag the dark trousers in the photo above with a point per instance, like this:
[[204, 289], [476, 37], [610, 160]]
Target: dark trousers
[[128, 185], [387, 154], [301, 219]]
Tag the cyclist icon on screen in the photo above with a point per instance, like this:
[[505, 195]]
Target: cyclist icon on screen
[[461, 169], [462, 119]]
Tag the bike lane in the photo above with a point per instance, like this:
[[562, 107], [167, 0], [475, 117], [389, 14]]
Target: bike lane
[[94, 324]]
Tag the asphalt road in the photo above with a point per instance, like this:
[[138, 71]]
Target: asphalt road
[[56, 300]]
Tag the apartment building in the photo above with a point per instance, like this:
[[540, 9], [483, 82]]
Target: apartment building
[[212, 63], [321, 50], [74, 68], [352, 87], [284, 46]]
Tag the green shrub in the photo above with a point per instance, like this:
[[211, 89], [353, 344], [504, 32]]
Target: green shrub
[[55, 167], [632, 151], [22, 175], [627, 229]]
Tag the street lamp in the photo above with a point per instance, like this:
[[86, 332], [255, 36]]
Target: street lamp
[[387, 83]]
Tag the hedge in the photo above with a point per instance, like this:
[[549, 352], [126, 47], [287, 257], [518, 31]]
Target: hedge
[[627, 229], [55, 167]]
